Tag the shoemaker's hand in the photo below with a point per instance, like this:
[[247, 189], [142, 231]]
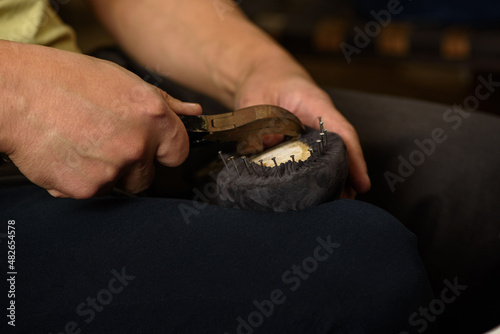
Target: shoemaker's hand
[[79, 125], [290, 87]]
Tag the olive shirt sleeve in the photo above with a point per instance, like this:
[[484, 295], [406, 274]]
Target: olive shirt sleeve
[[35, 22]]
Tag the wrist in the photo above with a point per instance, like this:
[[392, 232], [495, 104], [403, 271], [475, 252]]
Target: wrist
[[255, 60], [269, 79]]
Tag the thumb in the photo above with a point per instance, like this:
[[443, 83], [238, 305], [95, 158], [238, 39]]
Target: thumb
[[179, 107]]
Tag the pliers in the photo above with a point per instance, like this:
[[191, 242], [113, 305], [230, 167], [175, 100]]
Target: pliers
[[244, 126]]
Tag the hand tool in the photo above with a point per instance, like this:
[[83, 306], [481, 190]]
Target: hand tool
[[244, 126]]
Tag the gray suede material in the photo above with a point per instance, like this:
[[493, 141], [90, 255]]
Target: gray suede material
[[290, 186]]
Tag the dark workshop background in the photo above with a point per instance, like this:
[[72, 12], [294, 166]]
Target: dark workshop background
[[432, 50]]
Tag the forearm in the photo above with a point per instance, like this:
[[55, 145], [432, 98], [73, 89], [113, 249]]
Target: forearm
[[11, 94], [188, 41]]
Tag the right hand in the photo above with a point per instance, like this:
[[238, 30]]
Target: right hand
[[81, 125]]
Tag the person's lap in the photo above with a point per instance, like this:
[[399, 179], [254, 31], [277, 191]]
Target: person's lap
[[360, 268], [446, 194]]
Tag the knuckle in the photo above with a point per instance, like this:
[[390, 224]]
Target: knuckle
[[139, 178], [106, 179], [86, 191], [347, 132], [144, 184], [154, 106], [135, 151], [55, 193], [109, 175], [180, 143], [178, 159]]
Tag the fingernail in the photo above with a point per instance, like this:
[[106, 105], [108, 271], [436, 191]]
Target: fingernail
[[191, 104]]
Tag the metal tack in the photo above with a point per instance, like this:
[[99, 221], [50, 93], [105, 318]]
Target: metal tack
[[235, 167], [276, 164], [253, 167], [294, 163], [246, 165], [320, 146], [322, 137], [223, 160]]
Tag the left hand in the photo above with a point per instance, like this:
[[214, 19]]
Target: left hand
[[295, 91]]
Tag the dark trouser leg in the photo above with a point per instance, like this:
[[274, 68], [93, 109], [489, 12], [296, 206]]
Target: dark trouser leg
[[119, 265], [450, 199], [448, 195]]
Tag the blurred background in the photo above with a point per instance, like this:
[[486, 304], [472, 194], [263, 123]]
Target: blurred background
[[431, 50]]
